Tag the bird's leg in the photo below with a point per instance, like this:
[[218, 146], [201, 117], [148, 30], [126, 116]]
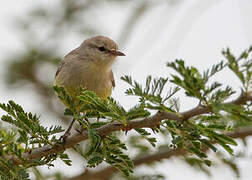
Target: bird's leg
[[67, 132], [81, 127], [126, 128], [79, 130], [87, 120]]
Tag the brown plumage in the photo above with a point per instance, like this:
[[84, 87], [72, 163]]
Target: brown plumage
[[89, 66]]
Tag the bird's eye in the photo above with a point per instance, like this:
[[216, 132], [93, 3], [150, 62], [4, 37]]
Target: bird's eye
[[101, 48]]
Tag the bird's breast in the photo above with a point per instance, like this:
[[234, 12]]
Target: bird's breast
[[75, 76], [99, 82]]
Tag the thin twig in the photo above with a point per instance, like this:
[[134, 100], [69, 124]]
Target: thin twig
[[148, 122], [162, 154]]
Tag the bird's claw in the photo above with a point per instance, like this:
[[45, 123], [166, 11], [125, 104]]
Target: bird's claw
[[126, 128], [81, 130], [64, 137], [67, 132]]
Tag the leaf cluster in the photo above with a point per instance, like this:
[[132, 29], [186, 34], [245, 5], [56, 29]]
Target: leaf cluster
[[195, 134], [28, 134], [152, 96], [108, 149], [205, 131], [31, 132], [109, 108]]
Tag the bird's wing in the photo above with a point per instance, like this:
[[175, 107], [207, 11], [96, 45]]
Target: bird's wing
[[68, 56], [59, 68], [112, 79]]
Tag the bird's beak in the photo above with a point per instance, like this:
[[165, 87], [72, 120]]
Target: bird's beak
[[116, 53]]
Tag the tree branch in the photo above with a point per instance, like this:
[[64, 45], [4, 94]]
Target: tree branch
[[165, 153], [148, 122]]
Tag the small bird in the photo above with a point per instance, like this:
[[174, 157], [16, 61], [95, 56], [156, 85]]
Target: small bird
[[89, 66]]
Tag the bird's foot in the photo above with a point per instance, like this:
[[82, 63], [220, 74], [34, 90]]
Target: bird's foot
[[67, 132], [126, 128], [86, 119], [81, 129]]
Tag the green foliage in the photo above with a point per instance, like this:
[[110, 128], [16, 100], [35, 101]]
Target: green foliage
[[109, 109], [147, 177], [16, 172], [195, 134], [202, 131], [243, 71], [144, 134], [29, 128], [67, 100], [64, 157], [195, 84], [231, 163], [152, 96], [108, 149], [29, 134], [191, 80], [199, 164], [9, 145]]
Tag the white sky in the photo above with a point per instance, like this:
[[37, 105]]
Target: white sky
[[195, 31]]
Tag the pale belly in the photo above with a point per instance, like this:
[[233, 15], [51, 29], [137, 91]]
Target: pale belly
[[73, 82], [101, 85]]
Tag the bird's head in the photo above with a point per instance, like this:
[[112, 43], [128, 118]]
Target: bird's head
[[101, 50]]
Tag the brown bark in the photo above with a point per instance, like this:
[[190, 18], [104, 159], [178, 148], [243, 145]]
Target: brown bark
[[149, 122]]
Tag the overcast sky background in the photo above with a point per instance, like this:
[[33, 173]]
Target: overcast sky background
[[193, 30]]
